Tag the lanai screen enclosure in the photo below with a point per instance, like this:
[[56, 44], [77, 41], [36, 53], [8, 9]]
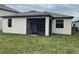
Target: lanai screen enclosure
[[37, 26]]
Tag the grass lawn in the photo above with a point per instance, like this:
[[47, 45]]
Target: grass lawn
[[12, 43]]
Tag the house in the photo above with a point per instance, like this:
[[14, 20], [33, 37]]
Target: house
[[76, 24], [37, 23], [5, 10]]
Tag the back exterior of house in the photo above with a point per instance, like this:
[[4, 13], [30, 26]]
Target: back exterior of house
[[37, 23]]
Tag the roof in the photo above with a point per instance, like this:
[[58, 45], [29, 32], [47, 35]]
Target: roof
[[38, 13], [57, 15], [4, 7], [77, 21]]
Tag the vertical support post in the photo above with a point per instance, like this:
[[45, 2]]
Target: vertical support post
[[47, 26], [26, 25]]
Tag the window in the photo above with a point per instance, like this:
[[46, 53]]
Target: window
[[59, 23], [9, 22]]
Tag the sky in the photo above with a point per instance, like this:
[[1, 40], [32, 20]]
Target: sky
[[67, 9]]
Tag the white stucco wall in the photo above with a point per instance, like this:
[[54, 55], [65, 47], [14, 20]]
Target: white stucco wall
[[65, 30], [3, 12], [47, 26], [18, 26]]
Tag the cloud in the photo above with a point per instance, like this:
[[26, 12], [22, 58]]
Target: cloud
[[52, 7], [26, 7], [49, 7], [68, 9]]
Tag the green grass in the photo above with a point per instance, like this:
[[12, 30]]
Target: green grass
[[54, 44]]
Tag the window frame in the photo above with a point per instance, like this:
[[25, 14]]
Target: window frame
[[9, 22], [60, 24]]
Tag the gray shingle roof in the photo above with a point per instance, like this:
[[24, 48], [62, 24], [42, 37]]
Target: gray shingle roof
[[36, 13], [57, 15], [4, 7]]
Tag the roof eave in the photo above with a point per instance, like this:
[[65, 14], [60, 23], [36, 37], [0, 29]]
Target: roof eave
[[63, 17], [70, 17], [10, 10], [25, 16]]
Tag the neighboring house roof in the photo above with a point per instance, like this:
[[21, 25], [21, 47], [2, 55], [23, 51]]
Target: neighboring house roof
[[77, 21], [37, 13], [4, 7]]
